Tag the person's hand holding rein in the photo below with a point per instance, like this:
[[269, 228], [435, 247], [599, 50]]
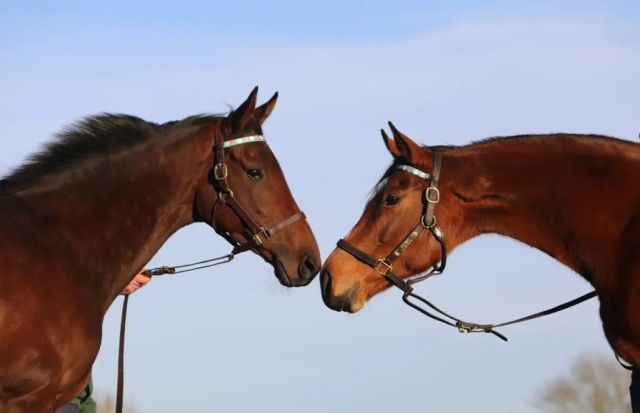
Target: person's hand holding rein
[[139, 281]]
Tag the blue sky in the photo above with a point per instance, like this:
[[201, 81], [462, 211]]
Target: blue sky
[[446, 72]]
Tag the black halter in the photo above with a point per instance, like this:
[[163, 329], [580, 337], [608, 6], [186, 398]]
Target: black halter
[[384, 266], [259, 234]]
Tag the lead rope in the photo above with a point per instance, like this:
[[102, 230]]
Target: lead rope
[[154, 272], [467, 327], [123, 322]]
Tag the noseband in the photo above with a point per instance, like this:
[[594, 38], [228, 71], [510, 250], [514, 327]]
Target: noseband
[[384, 266], [218, 179]]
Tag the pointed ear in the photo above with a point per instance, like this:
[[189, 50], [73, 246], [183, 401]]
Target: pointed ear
[[244, 112], [390, 144], [263, 111], [407, 148]]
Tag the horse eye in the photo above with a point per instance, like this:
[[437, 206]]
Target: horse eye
[[254, 173], [391, 200]]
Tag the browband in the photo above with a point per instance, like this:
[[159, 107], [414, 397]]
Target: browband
[[414, 171], [240, 141]]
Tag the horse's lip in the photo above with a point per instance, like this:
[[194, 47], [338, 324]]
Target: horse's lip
[[281, 273], [353, 291]]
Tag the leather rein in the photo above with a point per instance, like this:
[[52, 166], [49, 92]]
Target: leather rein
[[218, 175], [384, 266]]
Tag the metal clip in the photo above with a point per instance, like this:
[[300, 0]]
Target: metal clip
[[465, 327], [220, 171], [159, 271], [386, 267], [429, 225]]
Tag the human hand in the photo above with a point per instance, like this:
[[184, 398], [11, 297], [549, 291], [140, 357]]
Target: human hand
[[139, 281]]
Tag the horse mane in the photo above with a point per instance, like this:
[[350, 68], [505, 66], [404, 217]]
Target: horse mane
[[95, 137], [538, 137], [498, 140]]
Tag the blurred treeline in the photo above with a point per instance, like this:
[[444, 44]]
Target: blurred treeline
[[594, 384]]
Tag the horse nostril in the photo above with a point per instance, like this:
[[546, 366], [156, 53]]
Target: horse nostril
[[308, 267], [312, 265], [325, 283]]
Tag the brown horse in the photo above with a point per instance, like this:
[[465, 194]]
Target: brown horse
[[575, 197], [88, 212]]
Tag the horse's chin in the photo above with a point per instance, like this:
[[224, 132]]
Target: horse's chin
[[281, 273]]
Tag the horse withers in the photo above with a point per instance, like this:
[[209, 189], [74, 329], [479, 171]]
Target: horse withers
[[85, 214], [575, 197]]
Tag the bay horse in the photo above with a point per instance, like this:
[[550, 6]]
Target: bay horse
[[574, 197], [87, 213]]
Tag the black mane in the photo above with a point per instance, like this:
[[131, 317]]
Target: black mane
[[93, 137]]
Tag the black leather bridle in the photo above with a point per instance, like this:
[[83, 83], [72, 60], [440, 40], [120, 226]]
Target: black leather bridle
[[384, 266], [259, 234]]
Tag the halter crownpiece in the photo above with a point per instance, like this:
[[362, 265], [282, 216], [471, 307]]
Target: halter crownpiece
[[243, 140]]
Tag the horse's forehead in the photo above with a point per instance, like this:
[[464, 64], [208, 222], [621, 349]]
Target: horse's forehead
[[380, 186], [398, 179], [392, 181]]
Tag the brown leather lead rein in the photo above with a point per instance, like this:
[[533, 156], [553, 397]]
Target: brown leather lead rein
[[123, 322], [384, 266], [218, 179]]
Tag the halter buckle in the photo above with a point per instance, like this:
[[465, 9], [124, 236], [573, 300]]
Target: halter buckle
[[432, 195], [382, 267], [264, 233], [220, 171]]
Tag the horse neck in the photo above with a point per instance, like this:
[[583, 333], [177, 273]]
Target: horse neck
[[565, 195], [114, 215]]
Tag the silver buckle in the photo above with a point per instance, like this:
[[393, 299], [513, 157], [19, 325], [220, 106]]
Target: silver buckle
[[386, 267], [220, 171], [264, 233], [432, 195]]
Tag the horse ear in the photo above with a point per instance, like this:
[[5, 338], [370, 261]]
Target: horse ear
[[263, 111], [244, 112], [390, 144], [407, 148]]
